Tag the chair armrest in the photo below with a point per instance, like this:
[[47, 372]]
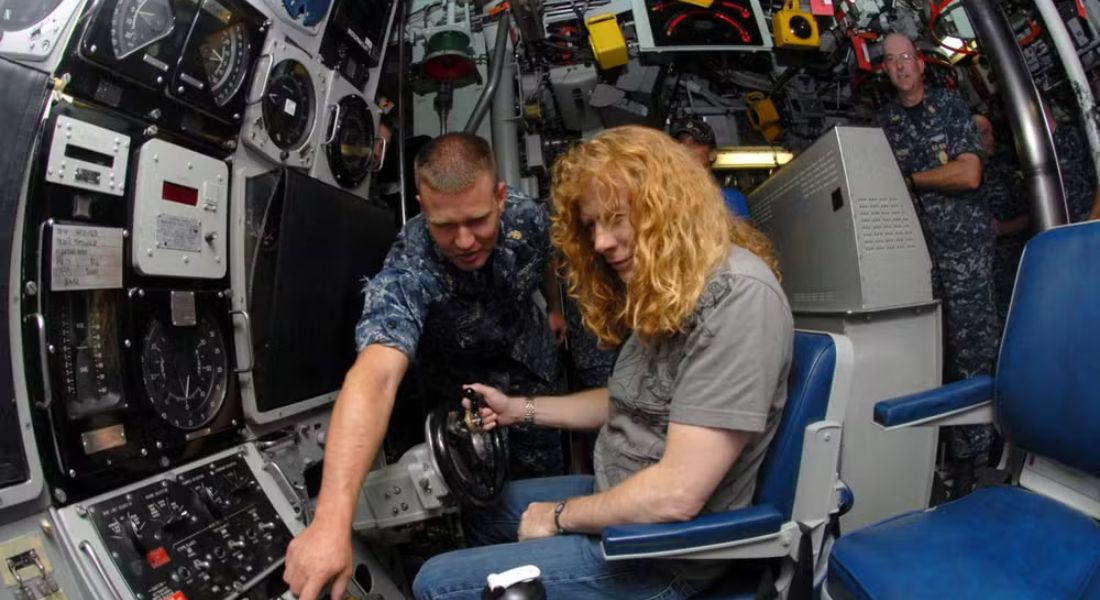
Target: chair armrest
[[705, 530], [934, 403]]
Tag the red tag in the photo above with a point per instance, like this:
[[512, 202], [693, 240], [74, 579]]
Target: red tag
[[157, 558], [821, 8], [177, 596]]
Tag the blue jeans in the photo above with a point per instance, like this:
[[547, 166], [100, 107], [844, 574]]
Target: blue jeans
[[572, 565]]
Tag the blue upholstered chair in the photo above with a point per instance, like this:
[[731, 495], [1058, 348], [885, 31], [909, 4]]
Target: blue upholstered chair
[[797, 494], [1038, 538]]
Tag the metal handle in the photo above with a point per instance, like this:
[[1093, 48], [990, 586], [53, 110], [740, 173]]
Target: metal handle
[[44, 359], [376, 165], [252, 99], [288, 488], [87, 549], [248, 335], [333, 110]]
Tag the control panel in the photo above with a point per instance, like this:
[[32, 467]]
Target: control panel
[[180, 212], [209, 531]]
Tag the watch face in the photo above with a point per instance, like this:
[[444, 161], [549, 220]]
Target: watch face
[[288, 104]]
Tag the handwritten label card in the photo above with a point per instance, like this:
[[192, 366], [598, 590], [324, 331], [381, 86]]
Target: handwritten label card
[[86, 258]]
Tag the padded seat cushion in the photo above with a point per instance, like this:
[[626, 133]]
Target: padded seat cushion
[[998, 542]]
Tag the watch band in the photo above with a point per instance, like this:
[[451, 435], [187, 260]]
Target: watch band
[[529, 410], [557, 516]]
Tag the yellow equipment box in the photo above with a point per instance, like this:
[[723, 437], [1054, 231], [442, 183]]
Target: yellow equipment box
[[607, 40], [795, 28]]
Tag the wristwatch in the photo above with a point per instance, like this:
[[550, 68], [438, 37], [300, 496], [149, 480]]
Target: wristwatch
[[529, 410], [557, 517]]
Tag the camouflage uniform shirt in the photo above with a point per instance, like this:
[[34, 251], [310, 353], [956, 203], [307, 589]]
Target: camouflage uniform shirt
[[482, 326], [1078, 170]]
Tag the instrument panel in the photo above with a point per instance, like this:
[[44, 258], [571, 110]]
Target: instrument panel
[[281, 119], [209, 531], [199, 52], [127, 332]]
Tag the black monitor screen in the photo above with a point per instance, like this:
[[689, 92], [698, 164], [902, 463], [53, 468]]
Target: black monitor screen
[[313, 245]]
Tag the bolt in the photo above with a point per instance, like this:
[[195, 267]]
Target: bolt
[[81, 510], [127, 343], [31, 288]]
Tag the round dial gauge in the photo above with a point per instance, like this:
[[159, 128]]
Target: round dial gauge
[[17, 15], [352, 146], [225, 55], [288, 104], [184, 370], [140, 23]]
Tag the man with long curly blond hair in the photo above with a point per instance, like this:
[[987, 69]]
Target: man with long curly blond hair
[[659, 266]]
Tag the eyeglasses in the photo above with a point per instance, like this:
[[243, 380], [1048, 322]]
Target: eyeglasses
[[905, 58]]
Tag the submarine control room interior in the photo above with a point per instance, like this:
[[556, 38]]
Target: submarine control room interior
[[549, 299]]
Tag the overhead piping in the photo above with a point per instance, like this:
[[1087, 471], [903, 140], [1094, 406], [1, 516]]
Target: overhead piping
[[496, 66], [1034, 144]]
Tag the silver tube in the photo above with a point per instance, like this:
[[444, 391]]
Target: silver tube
[[1071, 62], [505, 129], [495, 68], [1034, 144], [401, 108]]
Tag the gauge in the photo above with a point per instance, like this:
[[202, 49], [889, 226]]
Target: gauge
[[225, 56], [140, 23], [17, 15], [307, 12], [724, 23], [352, 146], [288, 104], [90, 352], [184, 370]]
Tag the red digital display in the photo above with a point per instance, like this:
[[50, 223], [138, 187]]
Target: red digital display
[[179, 193], [158, 557]]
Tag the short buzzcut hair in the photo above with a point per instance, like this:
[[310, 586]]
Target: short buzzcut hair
[[452, 162]]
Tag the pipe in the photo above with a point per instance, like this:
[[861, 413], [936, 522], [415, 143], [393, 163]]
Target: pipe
[[496, 66], [1034, 144], [401, 109], [1071, 62], [504, 120]]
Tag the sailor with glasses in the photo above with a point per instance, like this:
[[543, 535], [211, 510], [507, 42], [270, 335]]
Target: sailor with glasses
[[936, 143]]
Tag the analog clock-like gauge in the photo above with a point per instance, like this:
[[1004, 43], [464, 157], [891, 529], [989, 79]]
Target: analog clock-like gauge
[[225, 56], [138, 24], [185, 371], [288, 104], [352, 148]]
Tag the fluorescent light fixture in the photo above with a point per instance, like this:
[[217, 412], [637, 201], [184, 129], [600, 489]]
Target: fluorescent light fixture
[[751, 157]]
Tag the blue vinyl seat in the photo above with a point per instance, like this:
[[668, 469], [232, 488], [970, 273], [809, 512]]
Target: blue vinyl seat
[[1038, 538], [798, 492]]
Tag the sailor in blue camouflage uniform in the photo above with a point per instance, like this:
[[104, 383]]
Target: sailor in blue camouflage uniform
[[1002, 187], [1078, 169], [937, 147], [466, 325]]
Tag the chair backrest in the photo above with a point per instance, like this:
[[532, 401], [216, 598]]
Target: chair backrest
[[811, 379], [1047, 395]]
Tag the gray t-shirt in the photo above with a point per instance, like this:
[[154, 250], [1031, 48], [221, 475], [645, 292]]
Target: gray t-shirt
[[727, 369]]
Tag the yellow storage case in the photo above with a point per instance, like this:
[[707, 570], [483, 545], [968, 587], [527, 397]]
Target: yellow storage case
[[607, 40]]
